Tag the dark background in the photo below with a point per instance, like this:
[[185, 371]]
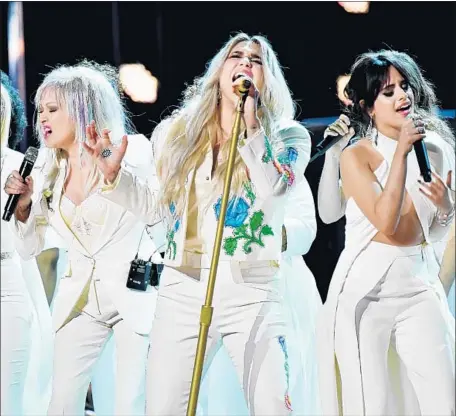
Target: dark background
[[315, 42]]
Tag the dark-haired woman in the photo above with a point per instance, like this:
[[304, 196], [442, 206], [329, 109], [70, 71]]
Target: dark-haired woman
[[386, 337]]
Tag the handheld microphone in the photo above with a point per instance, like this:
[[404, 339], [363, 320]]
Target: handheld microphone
[[245, 85], [423, 160], [325, 145], [26, 168], [422, 154]]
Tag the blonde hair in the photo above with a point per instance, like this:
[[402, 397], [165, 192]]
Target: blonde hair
[[195, 124], [89, 91]]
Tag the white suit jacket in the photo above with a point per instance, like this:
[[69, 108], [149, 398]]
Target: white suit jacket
[[39, 370], [110, 255], [253, 225]]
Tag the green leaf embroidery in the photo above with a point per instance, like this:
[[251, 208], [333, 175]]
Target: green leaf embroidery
[[249, 192], [256, 220], [283, 159], [268, 155], [240, 231], [247, 249], [266, 230], [250, 233], [230, 245], [171, 249]]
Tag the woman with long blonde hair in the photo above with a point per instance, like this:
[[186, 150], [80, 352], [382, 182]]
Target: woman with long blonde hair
[[191, 148], [93, 302]]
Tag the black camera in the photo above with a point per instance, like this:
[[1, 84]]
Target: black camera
[[143, 273]]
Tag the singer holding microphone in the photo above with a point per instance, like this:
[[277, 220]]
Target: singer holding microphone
[[92, 303], [26, 332], [192, 148], [385, 295]]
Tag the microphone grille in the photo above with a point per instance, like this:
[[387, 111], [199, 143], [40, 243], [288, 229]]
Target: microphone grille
[[31, 154]]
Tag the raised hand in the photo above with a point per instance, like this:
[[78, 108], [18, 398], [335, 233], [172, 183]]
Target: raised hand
[[341, 127], [251, 105], [104, 154], [411, 131], [438, 192]]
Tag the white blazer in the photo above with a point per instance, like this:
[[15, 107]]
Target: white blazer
[[111, 254], [39, 371], [253, 225]]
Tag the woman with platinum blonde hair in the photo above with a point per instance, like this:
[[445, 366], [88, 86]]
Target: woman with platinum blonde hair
[[191, 150], [26, 347], [92, 302]]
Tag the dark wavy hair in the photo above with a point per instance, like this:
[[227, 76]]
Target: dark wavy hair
[[18, 115], [369, 74]]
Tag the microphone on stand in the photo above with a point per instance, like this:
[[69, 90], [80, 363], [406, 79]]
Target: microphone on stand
[[26, 168], [245, 85]]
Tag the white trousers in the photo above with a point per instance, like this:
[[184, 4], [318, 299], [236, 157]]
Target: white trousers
[[104, 380], [403, 312], [248, 318], [78, 346], [16, 321]]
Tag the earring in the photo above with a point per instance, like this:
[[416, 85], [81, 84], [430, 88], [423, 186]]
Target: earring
[[369, 128]]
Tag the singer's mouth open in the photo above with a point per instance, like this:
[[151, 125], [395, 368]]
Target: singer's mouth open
[[47, 131], [238, 75], [405, 108]]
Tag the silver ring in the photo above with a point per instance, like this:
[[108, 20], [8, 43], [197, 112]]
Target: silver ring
[[421, 130], [416, 121], [105, 153]]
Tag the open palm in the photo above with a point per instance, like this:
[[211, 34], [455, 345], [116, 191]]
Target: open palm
[[106, 156]]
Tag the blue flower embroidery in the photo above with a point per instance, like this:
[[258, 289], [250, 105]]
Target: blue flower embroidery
[[172, 209], [288, 157], [292, 154], [236, 213]]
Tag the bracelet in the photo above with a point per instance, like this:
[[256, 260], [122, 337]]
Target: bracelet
[[445, 219]]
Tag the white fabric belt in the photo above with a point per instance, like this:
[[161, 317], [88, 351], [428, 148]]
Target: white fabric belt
[[203, 261]]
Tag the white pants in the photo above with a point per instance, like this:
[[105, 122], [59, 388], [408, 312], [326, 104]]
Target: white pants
[[404, 312], [247, 315], [16, 320], [78, 346], [104, 380]]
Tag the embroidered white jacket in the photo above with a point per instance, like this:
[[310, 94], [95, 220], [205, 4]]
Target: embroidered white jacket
[[253, 225]]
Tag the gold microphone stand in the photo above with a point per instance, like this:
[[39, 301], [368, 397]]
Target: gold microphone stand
[[207, 309]]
